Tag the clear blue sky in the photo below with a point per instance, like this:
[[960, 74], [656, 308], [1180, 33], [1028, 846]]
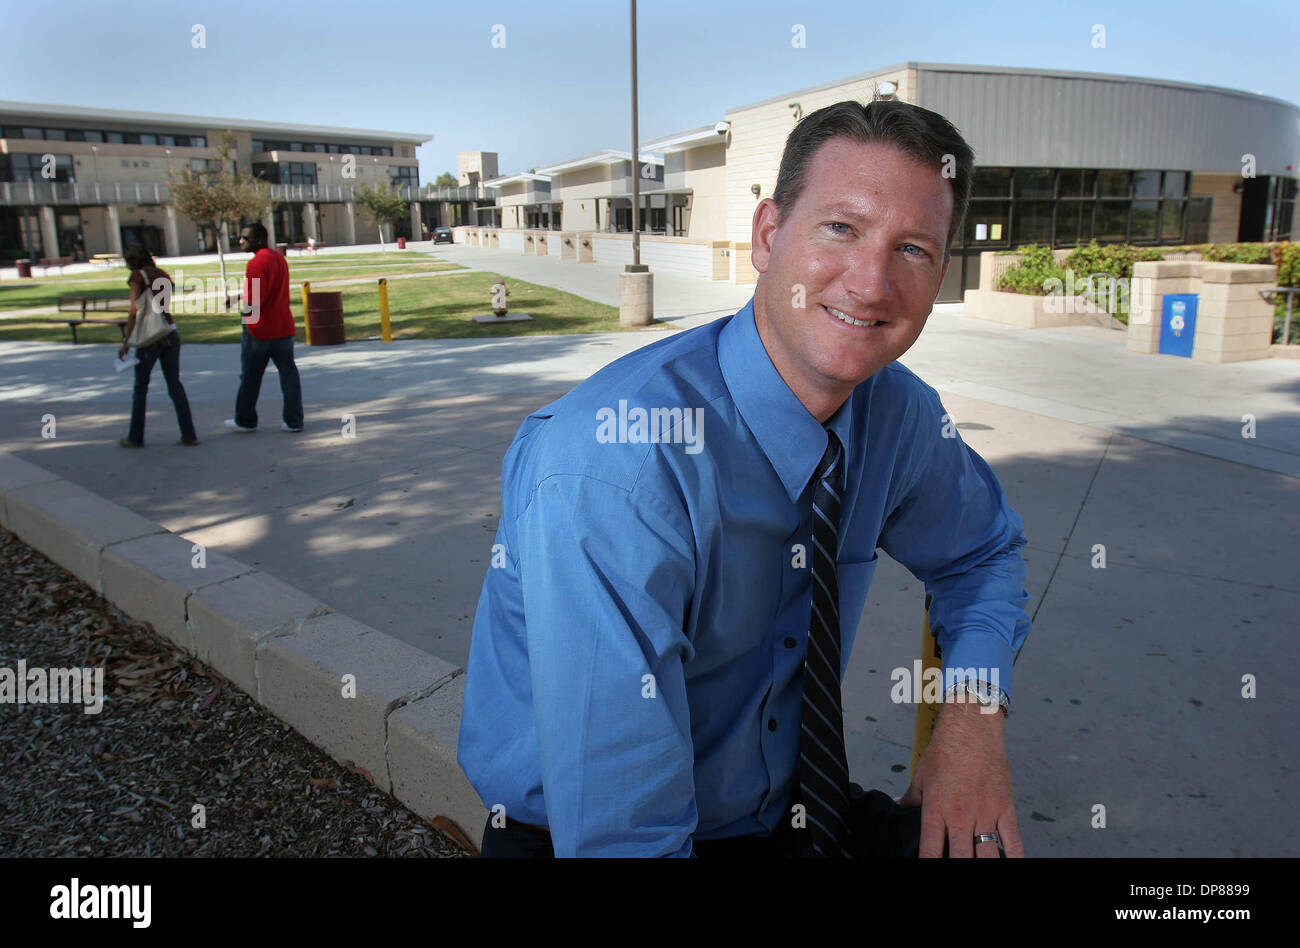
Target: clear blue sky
[[560, 86]]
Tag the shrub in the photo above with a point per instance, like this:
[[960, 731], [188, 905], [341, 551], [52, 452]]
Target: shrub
[[1035, 267]]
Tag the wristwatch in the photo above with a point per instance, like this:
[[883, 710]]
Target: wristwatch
[[981, 692]]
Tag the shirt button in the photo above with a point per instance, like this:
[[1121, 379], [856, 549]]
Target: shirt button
[[771, 724], [790, 642]]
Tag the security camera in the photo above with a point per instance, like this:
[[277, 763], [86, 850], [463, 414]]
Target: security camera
[[722, 128]]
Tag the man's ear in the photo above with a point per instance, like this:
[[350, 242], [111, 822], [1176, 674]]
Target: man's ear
[[763, 232]]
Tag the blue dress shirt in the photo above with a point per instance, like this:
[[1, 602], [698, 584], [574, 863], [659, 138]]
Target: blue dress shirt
[[636, 670]]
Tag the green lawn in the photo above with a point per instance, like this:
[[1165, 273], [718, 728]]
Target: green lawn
[[45, 291], [440, 307]]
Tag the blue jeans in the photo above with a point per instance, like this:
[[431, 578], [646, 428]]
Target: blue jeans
[[168, 352], [254, 353]]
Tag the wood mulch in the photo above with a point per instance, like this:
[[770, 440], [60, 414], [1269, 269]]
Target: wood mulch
[[172, 733]]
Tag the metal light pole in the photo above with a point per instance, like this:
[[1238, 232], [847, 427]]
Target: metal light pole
[[636, 157], [636, 282]]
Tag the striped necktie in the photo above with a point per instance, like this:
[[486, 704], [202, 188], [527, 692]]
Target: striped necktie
[[823, 767]]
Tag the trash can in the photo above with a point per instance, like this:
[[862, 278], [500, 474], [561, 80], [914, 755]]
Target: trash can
[[1178, 324], [325, 318], [401, 243], [24, 267], [284, 250]]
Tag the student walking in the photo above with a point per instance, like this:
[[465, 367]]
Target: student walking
[[268, 334], [151, 285]]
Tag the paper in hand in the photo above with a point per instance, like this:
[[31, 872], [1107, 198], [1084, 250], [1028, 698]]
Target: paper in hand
[[122, 363]]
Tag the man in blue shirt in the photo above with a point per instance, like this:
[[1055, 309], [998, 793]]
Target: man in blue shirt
[[640, 678]]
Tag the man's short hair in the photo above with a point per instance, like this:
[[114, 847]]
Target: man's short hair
[[257, 230], [924, 135]]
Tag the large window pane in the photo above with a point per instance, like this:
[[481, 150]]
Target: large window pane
[[992, 182], [1078, 183], [1031, 223], [1114, 183], [1112, 220], [1171, 221], [1175, 184], [1033, 183], [1144, 220], [1146, 184], [1073, 223], [56, 135]]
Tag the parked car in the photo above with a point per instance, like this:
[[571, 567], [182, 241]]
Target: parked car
[[442, 235]]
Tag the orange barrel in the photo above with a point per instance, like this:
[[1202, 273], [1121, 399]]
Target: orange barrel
[[401, 243], [325, 318]]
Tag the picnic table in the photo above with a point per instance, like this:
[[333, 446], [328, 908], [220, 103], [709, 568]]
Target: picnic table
[[107, 259], [94, 304]]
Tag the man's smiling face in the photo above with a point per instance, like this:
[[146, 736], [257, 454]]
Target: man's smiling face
[[865, 240]]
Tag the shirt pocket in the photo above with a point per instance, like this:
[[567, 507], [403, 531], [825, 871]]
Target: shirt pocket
[[854, 580]]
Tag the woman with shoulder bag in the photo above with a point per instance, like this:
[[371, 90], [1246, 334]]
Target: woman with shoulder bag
[[152, 332]]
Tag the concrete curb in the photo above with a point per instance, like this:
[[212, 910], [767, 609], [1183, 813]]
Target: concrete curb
[[358, 694]]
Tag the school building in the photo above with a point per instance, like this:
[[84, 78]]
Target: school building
[[1062, 158], [76, 182]]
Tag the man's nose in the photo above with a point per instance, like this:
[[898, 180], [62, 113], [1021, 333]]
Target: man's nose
[[866, 275]]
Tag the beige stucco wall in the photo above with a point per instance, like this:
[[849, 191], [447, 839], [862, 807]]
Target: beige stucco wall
[[758, 136], [578, 190], [706, 176], [1225, 213]]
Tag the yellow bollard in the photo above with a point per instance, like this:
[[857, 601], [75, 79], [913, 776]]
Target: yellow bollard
[[387, 329], [926, 714], [306, 310]]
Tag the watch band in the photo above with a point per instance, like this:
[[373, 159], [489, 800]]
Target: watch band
[[982, 692]]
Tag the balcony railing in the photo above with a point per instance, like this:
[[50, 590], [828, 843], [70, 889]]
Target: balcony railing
[[37, 193]]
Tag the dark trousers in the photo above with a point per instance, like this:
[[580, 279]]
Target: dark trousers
[[254, 353], [878, 829], [167, 352]]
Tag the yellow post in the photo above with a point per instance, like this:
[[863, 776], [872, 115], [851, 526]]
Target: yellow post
[[387, 329], [306, 310], [926, 714]]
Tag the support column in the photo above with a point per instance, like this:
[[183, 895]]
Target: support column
[[113, 228], [171, 231], [444, 209], [223, 236], [350, 222], [309, 212], [268, 221], [417, 223], [49, 232]]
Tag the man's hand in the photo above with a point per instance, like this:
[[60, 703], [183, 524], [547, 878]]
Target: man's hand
[[963, 785]]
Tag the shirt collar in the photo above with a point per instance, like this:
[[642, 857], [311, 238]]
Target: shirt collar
[[791, 438]]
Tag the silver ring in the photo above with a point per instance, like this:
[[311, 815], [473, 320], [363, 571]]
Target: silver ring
[[988, 838]]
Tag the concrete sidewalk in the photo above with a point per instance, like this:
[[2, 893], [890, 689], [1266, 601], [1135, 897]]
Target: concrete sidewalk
[[1127, 694]]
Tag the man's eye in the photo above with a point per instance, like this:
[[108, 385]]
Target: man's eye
[[920, 250], [836, 224]]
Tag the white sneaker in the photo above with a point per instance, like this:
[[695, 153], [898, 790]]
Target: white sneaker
[[230, 423], [285, 427]]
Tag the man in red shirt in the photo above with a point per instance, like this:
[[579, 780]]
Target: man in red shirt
[[268, 334]]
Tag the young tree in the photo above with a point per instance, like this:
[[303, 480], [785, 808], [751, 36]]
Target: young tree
[[447, 180], [214, 196], [381, 205]]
